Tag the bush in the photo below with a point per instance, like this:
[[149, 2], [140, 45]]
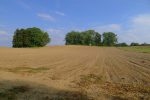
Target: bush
[[134, 44], [30, 37], [121, 44], [145, 44]]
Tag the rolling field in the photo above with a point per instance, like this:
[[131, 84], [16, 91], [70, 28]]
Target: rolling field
[[74, 73]]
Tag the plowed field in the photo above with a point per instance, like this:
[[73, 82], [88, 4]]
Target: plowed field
[[75, 73]]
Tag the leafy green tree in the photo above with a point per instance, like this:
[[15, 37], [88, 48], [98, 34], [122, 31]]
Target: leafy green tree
[[30, 37], [145, 44], [121, 44], [73, 38], [97, 39], [18, 38], [134, 44], [109, 39], [89, 37]]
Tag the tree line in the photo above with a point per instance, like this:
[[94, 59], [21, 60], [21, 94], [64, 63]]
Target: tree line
[[35, 37], [92, 38], [131, 44], [89, 37]]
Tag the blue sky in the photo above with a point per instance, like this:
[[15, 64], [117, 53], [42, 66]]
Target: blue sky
[[129, 19]]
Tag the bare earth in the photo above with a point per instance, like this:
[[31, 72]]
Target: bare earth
[[97, 72]]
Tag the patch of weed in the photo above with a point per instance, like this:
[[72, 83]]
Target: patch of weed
[[96, 87], [28, 69]]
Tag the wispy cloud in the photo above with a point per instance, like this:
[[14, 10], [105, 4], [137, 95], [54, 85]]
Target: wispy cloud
[[6, 35], [46, 17], [141, 20], [55, 31], [108, 28], [23, 4], [60, 13], [137, 30], [5, 38], [57, 36], [3, 32]]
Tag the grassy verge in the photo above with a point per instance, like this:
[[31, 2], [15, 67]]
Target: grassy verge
[[142, 49]]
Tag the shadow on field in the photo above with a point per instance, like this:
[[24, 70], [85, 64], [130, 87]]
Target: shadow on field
[[18, 90]]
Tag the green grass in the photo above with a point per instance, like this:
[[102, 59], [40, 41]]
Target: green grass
[[142, 49]]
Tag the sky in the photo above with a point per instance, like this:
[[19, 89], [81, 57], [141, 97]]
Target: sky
[[129, 19]]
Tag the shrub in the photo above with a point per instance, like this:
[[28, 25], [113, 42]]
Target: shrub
[[134, 44], [121, 44]]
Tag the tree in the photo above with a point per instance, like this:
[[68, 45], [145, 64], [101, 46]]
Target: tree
[[89, 37], [134, 44], [109, 39], [30, 37], [97, 39], [73, 38], [17, 38], [121, 44], [145, 44]]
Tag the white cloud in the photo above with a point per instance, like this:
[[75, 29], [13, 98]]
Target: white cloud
[[142, 20], [60, 13], [55, 31], [46, 17], [138, 31], [108, 28], [3, 32], [57, 36], [5, 38]]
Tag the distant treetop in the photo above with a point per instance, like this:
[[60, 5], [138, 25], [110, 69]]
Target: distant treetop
[[109, 39], [89, 37], [30, 37]]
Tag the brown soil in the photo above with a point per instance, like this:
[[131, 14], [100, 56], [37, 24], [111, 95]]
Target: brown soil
[[98, 72]]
